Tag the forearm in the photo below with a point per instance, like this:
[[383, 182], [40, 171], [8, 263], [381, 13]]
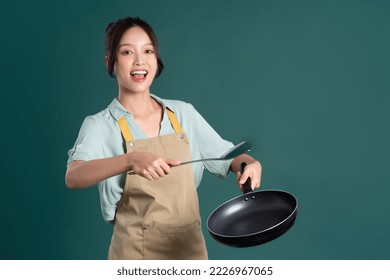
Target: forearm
[[236, 163], [83, 174]]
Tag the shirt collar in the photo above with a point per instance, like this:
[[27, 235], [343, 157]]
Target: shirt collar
[[164, 103], [117, 110]]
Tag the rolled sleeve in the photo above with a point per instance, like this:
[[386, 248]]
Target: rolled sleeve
[[88, 144]]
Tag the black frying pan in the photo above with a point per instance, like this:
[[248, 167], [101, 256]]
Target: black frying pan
[[253, 218]]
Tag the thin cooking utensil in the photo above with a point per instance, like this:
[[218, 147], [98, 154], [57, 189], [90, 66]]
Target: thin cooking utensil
[[235, 151]]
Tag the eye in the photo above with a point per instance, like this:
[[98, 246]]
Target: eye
[[127, 52], [149, 51]]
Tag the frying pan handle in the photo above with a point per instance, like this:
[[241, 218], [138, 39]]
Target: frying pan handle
[[247, 185]]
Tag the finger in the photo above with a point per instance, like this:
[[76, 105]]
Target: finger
[[160, 171], [243, 178], [154, 175], [157, 168], [255, 180], [150, 174], [165, 168], [255, 183], [147, 176], [172, 162], [238, 175]]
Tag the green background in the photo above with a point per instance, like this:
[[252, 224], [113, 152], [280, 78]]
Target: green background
[[307, 82]]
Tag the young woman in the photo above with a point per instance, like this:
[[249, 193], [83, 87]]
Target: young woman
[[133, 149]]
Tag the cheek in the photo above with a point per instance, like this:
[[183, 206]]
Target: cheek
[[121, 68], [154, 65]]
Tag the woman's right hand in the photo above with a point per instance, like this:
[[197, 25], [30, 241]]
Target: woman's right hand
[[151, 166]]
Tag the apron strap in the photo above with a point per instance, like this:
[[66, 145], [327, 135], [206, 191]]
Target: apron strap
[[124, 127], [175, 123]]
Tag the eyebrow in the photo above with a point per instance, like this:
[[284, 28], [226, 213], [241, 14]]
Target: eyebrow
[[148, 44]]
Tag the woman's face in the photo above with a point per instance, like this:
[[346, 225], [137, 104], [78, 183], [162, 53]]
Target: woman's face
[[136, 62]]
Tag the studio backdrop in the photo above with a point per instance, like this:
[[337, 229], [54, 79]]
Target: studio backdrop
[[307, 82]]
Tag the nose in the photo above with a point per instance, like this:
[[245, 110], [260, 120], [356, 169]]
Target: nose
[[139, 59]]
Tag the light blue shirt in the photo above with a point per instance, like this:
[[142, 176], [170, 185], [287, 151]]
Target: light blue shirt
[[100, 137]]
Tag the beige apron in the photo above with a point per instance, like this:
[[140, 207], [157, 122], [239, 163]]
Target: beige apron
[[159, 219]]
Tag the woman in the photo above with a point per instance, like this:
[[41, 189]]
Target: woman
[[154, 208]]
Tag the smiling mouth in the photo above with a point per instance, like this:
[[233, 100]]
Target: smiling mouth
[[139, 75]]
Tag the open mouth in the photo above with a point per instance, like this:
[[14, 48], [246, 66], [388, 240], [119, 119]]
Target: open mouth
[[139, 75]]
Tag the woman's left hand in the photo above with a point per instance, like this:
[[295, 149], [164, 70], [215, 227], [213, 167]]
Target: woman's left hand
[[252, 170]]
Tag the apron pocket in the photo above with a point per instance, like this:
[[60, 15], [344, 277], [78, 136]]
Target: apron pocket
[[178, 243]]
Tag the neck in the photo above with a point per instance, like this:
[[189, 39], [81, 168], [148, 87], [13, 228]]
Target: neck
[[138, 104]]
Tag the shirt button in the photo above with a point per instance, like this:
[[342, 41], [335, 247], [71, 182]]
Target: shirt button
[[181, 136], [131, 144]]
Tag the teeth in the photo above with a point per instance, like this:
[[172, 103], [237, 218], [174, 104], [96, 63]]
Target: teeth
[[140, 72]]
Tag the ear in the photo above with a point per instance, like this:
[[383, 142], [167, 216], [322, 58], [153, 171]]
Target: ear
[[107, 60]]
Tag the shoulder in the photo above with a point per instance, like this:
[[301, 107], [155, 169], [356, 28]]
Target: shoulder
[[94, 119], [99, 123], [108, 115]]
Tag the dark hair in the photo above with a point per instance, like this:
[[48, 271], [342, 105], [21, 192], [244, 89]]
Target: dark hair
[[114, 33]]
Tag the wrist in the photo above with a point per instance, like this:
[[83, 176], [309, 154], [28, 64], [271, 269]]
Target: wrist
[[129, 161]]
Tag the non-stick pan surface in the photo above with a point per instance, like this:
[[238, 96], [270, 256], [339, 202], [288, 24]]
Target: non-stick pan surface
[[253, 218]]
